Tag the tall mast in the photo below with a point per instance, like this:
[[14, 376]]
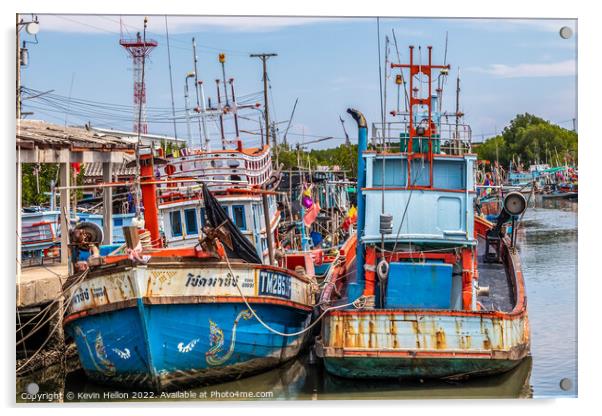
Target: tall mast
[[221, 116], [264, 57], [200, 107], [456, 141], [139, 49]]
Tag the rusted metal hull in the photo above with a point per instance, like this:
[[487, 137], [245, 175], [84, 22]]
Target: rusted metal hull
[[165, 326], [408, 343]]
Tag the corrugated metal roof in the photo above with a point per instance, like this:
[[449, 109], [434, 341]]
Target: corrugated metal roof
[[40, 134]]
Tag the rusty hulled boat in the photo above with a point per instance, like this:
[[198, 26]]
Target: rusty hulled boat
[[443, 292]]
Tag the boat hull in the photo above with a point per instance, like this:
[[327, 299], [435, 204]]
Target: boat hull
[[136, 333], [412, 368], [166, 346], [429, 343]]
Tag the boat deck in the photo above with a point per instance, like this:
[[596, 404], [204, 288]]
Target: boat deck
[[501, 293]]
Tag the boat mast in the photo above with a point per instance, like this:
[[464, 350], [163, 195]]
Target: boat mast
[[457, 140], [199, 108]]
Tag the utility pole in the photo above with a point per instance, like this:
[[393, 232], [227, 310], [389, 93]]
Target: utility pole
[[264, 57], [18, 73]]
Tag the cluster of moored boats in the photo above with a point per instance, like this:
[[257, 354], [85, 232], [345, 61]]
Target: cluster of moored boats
[[235, 266]]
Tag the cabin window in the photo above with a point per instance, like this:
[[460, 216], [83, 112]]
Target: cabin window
[[202, 217], [191, 223], [176, 223], [238, 216]]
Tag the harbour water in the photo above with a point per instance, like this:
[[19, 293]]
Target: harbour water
[[548, 244]]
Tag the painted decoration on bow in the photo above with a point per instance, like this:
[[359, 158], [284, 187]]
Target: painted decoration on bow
[[216, 340]]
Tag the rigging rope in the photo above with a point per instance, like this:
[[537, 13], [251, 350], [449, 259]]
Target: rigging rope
[[358, 304]]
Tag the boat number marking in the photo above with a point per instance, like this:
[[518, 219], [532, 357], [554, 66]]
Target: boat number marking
[[274, 284]]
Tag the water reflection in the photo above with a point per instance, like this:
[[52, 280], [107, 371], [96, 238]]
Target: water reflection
[[299, 380]]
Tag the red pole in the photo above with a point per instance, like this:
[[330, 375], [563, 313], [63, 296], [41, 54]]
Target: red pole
[[411, 131], [430, 103], [370, 271], [149, 199]]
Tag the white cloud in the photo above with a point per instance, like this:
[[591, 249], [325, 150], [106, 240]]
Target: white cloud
[[514, 25], [551, 69], [177, 24]]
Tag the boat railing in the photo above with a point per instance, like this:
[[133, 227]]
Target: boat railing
[[450, 138]]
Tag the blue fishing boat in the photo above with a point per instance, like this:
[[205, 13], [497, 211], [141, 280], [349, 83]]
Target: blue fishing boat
[[438, 291], [162, 317], [41, 232]]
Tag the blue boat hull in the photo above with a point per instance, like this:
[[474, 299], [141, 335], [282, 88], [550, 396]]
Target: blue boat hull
[[165, 346]]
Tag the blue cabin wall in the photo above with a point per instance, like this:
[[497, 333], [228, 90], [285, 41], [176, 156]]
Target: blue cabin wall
[[442, 214]]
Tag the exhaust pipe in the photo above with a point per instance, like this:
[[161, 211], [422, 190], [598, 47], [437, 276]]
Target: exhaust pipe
[[363, 287]]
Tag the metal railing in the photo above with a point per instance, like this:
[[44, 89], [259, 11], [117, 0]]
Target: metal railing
[[450, 138]]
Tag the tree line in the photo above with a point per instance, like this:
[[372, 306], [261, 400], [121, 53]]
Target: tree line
[[529, 139]]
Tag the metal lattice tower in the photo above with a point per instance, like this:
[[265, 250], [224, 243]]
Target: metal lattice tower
[[139, 49]]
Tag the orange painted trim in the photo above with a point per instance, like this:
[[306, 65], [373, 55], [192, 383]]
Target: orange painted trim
[[252, 191], [213, 299], [418, 188], [415, 354], [436, 156], [475, 314], [165, 252], [449, 258], [232, 299]]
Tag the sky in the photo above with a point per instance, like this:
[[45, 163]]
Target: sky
[[507, 67]]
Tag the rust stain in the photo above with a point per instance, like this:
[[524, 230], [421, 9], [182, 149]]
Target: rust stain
[[458, 326], [465, 341], [392, 327], [501, 334], [349, 335], [338, 335], [149, 288], [440, 339]]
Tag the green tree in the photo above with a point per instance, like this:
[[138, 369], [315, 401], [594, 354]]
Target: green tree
[[531, 139]]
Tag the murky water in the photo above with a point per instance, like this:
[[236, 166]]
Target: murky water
[[548, 245]]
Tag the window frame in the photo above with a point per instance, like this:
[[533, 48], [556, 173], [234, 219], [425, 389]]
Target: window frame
[[242, 227], [196, 222]]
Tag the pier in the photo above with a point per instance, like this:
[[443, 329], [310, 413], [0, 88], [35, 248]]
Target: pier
[[39, 286]]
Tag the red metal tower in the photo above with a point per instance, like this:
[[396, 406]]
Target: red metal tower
[[139, 48], [421, 131]]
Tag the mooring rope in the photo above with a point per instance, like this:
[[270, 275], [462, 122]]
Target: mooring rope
[[358, 304]]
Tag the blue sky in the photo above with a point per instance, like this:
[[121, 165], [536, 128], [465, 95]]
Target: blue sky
[[330, 64]]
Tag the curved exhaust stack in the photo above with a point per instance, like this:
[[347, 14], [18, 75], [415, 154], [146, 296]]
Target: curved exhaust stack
[[363, 287], [358, 117]]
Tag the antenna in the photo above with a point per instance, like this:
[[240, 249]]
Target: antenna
[[290, 119], [138, 49], [347, 141]]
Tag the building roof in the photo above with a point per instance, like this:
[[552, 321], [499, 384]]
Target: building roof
[[132, 135], [34, 133]]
